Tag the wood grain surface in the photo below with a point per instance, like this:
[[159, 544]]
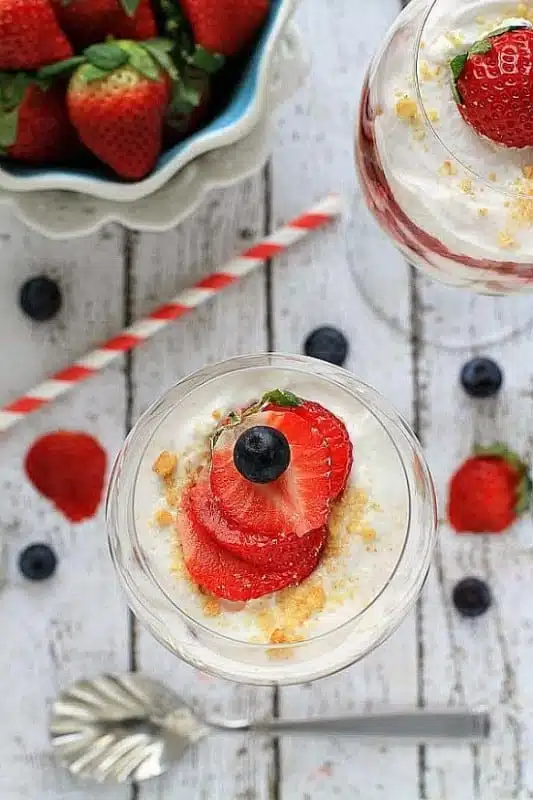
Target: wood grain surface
[[77, 624]]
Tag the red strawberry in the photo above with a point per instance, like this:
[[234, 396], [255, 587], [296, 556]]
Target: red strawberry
[[225, 26], [88, 21], [224, 575], [489, 492], [69, 469], [338, 440], [493, 84], [297, 502], [30, 36], [119, 110], [257, 548], [34, 123], [188, 109]]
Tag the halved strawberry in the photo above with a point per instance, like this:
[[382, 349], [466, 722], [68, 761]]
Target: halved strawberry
[[224, 575], [260, 549], [297, 502], [337, 437]]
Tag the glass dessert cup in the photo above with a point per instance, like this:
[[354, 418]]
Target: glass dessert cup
[[458, 206], [382, 574]]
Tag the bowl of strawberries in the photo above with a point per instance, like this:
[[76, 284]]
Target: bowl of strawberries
[[113, 98]]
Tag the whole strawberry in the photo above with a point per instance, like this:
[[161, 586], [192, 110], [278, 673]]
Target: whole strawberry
[[493, 86], [117, 101], [89, 21], [34, 122], [30, 36], [489, 492], [225, 26]]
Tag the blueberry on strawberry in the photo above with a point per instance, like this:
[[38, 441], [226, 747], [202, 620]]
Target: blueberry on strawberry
[[493, 86], [262, 454], [481, 378], [489, 492]]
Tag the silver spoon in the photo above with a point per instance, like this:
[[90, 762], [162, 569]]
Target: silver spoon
[[130, 728]]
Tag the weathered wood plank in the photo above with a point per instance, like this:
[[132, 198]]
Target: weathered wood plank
[[317, 285], [74, 624], [233, 323], [486, 661]]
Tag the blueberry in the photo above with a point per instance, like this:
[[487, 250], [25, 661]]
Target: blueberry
[[40, 298], [262, 454], [327, 344], [472, 597], [481, 378], [38, 562]]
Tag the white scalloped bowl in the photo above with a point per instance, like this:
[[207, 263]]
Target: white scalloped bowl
[[243, 111]]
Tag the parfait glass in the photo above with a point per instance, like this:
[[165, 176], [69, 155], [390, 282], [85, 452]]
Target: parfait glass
[[458, 206], [388, 579]]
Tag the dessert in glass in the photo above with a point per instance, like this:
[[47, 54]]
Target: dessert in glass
[[445, 146], [271, 519]]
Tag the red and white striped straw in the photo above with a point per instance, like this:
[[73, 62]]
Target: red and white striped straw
[[184, 302]]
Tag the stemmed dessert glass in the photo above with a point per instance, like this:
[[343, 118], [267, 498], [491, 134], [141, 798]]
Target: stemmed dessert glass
[[388, 459], [458, 206]]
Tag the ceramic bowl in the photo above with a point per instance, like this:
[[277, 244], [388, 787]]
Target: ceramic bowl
[[243, 111]]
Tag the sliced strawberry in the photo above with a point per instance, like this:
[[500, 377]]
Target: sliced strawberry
[[224, 575], [297, 502], [337, 437], [260, 549]]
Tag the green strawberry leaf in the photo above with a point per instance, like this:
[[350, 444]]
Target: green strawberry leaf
[[160, 49], [60, 68], [204, 60], [457, 65], [8, 127], [184, 99], [108, 56], [142, 61], [90, 73], [283, 398], [130, 7], [524, 495], [480, 48], [508, 28], [12, 89]]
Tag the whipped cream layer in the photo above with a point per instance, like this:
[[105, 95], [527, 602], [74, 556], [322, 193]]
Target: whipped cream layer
[[469, 193], [359, 574]]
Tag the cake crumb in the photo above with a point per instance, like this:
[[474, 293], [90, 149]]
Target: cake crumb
[[211, 607], [505, 239], [427, 73], [466, 186], [433, 115], [527, 171], [163, 518], [483, 212], [447, 169], [492, 176], [165, 465], [407, 109], [455, 39], [217, 415], [172, 496]]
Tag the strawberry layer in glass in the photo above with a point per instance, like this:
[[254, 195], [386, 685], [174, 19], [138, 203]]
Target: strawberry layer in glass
[[458, 204]]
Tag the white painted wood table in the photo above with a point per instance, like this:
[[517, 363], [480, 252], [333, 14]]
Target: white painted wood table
[[77, 624]]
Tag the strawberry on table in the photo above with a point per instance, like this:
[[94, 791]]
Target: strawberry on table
[[90, 21], [117, 99], [489, 492], [286, 488], [493, 86], [224, 575], [34, 122], [225, 26], [30, 36], [260, 549]]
